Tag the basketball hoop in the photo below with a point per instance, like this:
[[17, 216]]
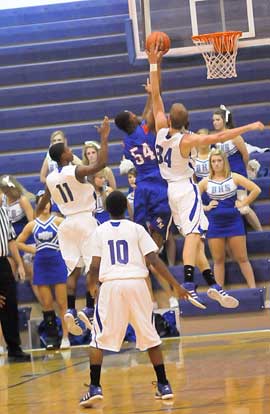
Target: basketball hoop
[[219, 51]]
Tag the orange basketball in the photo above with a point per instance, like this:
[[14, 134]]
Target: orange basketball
[[154, 37]]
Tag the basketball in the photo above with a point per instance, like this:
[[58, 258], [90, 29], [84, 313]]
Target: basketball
[[154, 37]]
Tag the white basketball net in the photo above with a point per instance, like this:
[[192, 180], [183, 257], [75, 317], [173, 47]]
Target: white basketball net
[[219, 51]]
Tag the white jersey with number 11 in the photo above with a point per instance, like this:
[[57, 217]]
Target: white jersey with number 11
[[68, 193]]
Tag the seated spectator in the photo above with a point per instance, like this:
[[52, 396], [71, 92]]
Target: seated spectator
[[48, 164], [201, 159], [20, 211], [132, 174], [225, 220], [49, 271], [89, 157], [102, 191]]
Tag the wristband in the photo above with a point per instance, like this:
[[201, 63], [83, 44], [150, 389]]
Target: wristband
[[153, 67]]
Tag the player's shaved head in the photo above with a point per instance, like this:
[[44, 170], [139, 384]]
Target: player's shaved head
[[178, 116], [116, 204]]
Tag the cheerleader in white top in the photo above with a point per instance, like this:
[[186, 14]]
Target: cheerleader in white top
[[50, 165], [238, 158], [225, 220], [173, 148], [101, 191], [49, 271], [201, 163]]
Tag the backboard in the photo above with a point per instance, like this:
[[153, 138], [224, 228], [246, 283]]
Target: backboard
[[181, 19]]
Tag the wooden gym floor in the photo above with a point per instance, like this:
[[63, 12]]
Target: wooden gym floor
[[213, 374]]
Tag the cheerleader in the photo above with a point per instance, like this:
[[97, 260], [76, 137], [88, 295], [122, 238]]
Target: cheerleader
[[49, 270], [225, 220], [238, 158]]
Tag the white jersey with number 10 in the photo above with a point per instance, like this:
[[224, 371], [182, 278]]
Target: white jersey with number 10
[[68, 193], [122, 245]]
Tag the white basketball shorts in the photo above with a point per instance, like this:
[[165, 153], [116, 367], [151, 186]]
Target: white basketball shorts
[[121, 302], [187, 208], [75, 239]]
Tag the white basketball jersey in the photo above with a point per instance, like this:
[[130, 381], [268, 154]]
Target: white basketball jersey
[[68, 193], [122, 245], [173, 167]]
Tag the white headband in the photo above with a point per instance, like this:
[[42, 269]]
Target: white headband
[[227, 112], [6, 181]]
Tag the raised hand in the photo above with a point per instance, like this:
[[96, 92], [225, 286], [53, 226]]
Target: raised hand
[[147, 86], [257, 126], [104, 128]]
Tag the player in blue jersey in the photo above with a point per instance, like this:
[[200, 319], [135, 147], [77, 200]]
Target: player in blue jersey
[[151, 208]]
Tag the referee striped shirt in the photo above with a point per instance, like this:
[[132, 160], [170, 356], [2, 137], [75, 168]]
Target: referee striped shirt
[[7, 232]]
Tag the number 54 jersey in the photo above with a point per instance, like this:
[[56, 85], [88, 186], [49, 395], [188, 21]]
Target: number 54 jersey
[[122, 246], [68, 193]]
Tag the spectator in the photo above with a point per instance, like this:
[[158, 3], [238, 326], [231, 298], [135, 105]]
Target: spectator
[[89, 157], [16, 200], [132, 174], [225, 220], [48, 164], [102, 191]]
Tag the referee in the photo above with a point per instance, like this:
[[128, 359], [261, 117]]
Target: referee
[[8, 293]]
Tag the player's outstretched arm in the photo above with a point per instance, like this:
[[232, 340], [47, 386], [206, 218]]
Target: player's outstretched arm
[[155, 261], [85, 170], [154, 57], [193, 140]]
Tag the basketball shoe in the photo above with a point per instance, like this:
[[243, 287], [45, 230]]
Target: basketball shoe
[[72, 322], [194, 299], [216, 292], [87, 315], [93, 396], [163, 391]]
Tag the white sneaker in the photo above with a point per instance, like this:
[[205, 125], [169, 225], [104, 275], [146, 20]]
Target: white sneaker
[[72, 322], [216, 292], [65, 344], [173, 302]]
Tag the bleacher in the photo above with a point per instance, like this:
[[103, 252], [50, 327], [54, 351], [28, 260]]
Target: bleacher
[[66, 66]]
